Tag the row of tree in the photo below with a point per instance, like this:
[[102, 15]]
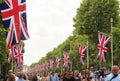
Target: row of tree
[[92, 16]]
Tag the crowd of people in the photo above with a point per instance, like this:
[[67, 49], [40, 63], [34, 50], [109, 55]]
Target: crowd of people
[[85, 75]]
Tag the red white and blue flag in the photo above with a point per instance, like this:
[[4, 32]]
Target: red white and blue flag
[[66, 59], [42, 67], [82, 50], [57, 61], [46, 65], [14, 18], [12, 52], [51, 64], [19, 56], [103, 40]]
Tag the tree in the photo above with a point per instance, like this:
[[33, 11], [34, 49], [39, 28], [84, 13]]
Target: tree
[[94, 16], [3, 49]]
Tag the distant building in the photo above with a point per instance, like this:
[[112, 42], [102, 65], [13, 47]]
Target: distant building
[[26, 68]]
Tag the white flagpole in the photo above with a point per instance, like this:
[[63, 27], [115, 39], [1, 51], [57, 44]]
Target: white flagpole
[[71, 65], [111, 23], [12, 65], [61, 63], [87, 56]]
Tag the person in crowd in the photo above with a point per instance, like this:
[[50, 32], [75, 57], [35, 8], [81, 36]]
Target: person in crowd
[[119, 71], [38, 77], [71, 73], [25, 77], [16, 75], [53, 76], [20, 76], [102, 75], [11, 77], [76, 76], [34, 77], [9, 73], [92, 72], [82, 74], [62, 76], [43, 76], [87, 76], [59, 76], [46, 77], [105, 70], [30, 76], [67, 76], [114, 75]]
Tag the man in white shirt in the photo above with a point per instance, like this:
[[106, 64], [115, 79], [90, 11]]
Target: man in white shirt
[[54, 77], [92, 72], [114, 76]]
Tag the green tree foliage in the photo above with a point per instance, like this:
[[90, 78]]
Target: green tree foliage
[[3, 49], [116, 42], [2, 1], [94, 16]]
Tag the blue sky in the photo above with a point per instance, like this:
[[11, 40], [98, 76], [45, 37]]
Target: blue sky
[[50, 22]]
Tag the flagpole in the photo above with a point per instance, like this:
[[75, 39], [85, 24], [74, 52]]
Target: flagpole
[[61, 62], [87, 56], [100, 64], [71, 66], [70, 53], [12, 65], [111, 23]]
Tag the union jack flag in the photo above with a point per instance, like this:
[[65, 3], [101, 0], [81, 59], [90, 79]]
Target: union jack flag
[[82, 50], [12, 52], [102, 46], [19, 56], [46, 65], [57, 62], [66, 59], [37, 68], [43, 66], [51, 64], [14, 18]]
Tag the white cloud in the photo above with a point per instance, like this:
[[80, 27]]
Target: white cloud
[[50, 22]]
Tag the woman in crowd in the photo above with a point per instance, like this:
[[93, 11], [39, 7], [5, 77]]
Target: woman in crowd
[[11, 77], [45, 77], [20, 76], [102, 76], [26, 77], [82, 74], [87, 76], [76, 76], [34, 78], [67, 76], [42, 76]]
